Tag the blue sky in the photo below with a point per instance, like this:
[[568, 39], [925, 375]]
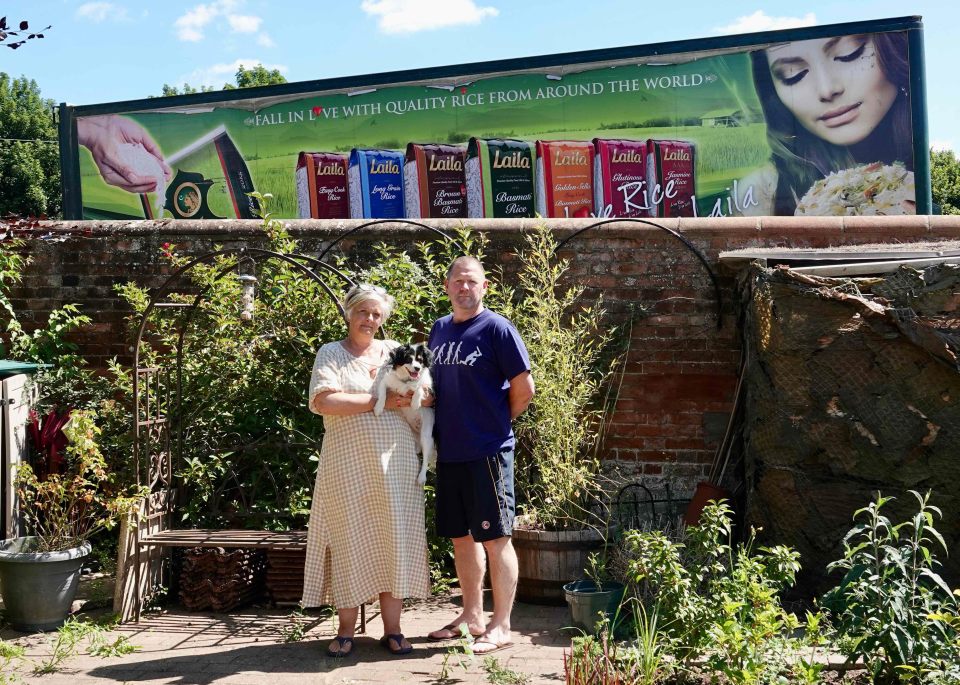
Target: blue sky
[[110, 50]]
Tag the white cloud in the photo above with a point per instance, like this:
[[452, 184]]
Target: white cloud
[[191, 26], [410, 16], [100, 11], [265, 41], [218, 74], [242, 23], [760, 21], [940, 145]]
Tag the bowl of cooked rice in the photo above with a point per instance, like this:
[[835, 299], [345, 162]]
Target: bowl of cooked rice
[[868, 190]]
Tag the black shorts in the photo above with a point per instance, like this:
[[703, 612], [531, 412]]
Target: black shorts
[[476, 498]]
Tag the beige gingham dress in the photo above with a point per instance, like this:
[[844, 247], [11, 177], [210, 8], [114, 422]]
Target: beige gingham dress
[[366, 531]]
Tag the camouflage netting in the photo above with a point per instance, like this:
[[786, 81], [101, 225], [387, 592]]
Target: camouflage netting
[[852, 387]]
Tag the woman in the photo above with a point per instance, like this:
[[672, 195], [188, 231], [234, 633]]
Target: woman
[[367, 535], [830, 104]]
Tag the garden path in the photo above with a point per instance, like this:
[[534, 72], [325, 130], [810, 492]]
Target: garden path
[[248, 646]]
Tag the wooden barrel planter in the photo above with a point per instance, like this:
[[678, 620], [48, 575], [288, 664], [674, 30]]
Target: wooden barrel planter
[[549, 559]]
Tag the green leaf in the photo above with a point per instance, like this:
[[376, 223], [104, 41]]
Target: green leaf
[[936, 579]]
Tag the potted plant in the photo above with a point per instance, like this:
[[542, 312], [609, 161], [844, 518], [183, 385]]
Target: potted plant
[[40, 572], [596, 597], [558, 469]]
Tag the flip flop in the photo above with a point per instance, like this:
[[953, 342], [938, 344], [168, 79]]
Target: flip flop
[[344, 642], [453, 629], [497, 646], [398, 638]]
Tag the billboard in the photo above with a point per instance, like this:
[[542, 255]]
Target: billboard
[[826, 120]]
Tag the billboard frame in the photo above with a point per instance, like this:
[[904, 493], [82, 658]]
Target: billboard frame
[[581, 60]]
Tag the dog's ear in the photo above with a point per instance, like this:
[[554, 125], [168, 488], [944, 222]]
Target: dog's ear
[[396, 355], [427, 355]]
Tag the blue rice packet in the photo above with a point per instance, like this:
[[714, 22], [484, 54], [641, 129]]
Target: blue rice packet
[[375, 180]]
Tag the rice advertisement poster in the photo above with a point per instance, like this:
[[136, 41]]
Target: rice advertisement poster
[[805, 123]]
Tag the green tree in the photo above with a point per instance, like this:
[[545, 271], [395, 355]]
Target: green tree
[[256, 76], [29, 155], [186, 90], [945, 180], [245, 78]]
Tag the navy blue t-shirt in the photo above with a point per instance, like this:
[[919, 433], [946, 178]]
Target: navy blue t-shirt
[[474, 361]]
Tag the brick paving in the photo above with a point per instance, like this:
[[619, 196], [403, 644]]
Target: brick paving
[[248, 646]]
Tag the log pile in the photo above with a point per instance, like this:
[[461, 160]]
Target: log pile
[[216, 580]]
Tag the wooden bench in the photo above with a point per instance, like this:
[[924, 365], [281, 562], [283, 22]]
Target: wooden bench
[[267, 540], [234, 539]]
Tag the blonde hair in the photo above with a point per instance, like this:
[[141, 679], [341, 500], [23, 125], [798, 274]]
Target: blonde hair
[[364, 292]]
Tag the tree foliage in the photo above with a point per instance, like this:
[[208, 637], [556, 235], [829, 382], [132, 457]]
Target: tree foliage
[[186, 90], [29, 156], [945, 180], [256, 76], [245, 78]]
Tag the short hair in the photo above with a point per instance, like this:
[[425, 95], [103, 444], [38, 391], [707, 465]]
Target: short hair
[[466, 258], [365, 292]]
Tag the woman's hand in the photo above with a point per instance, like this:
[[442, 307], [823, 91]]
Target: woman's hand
[[427, 400], [398, 401]]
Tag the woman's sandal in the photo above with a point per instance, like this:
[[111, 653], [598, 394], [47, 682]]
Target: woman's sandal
[[398, 638], [344, 642]]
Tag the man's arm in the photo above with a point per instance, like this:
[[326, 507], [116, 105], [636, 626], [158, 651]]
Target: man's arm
[[521, 392]]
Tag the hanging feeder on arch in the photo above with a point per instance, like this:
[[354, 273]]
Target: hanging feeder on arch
[[248, 284]]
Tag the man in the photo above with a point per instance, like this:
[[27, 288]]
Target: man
[[481, 374]]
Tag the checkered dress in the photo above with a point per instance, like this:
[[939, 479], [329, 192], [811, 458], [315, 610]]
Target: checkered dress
[[366, 531]]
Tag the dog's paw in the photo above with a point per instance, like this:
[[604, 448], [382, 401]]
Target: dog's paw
[[378, 409], [422, 478]]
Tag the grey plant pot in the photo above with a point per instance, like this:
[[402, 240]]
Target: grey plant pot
[[38, 587]]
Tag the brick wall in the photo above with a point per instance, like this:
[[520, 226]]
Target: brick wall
[[681, 374]]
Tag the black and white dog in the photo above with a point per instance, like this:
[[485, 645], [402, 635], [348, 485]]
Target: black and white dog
[[409, 369]]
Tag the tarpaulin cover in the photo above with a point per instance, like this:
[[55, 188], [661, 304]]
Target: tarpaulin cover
[[852, 388]]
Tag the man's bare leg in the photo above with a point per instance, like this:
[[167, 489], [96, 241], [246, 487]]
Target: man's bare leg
[[503, 578], [469, 559]]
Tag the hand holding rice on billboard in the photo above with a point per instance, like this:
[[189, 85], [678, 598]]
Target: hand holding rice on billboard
[[124, 152]]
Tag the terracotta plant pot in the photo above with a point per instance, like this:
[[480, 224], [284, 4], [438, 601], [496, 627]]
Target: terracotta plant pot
[[701, 497]]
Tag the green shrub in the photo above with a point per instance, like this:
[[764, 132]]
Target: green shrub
[[716, 601], [569, 342], [891, 608]]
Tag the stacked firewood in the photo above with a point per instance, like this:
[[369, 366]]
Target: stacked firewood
[[285, 575], [217, 580]]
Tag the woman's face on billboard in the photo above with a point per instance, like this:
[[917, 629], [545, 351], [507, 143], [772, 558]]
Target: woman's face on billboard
[[834, 86]]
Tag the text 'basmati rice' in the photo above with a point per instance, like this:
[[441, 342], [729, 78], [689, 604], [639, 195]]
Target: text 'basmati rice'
[[434, 182], [500, 181]]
